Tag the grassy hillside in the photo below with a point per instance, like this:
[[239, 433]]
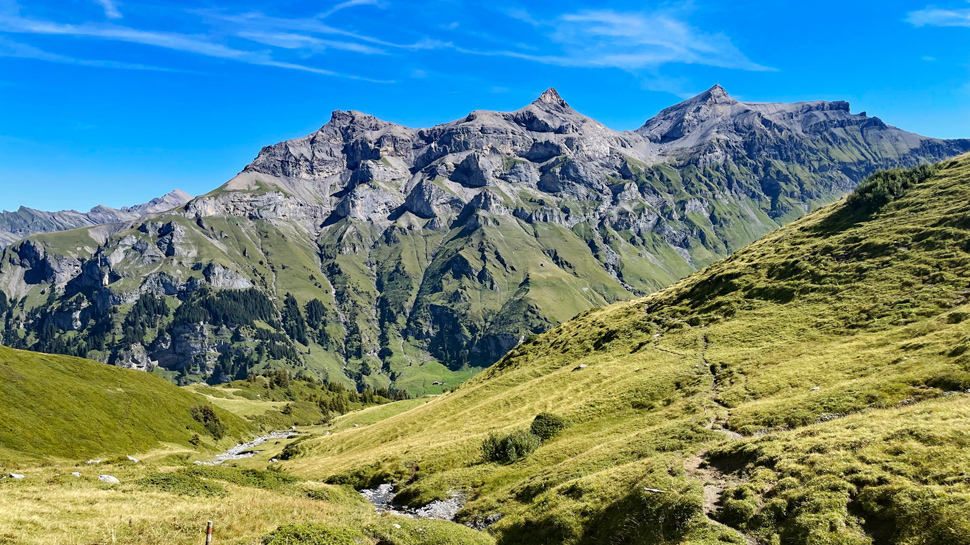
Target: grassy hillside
[[277, 400], [66, 407], [812, 388]]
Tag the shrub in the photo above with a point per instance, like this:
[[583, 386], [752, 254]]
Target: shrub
[[547, 425], [885, 186], [313, 534], [183, 485], [373, 475], [293, 450], [270, 479], [179, 459], [507, 449], [339, 495], [206, 414]]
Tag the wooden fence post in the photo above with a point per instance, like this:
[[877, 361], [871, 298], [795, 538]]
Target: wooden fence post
[[208, 533]]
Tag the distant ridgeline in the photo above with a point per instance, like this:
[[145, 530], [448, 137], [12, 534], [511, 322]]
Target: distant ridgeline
[[27, 221], [374, 255]]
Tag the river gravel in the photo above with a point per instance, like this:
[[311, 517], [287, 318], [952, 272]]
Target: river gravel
[[383, 499], [239, 451]]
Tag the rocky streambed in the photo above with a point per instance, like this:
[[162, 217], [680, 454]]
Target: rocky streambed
[[382, 498], [244, 450]]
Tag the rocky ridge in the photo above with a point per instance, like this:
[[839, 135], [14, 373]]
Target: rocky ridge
[[27, 221]]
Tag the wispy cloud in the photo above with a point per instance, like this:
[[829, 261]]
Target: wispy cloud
[[199, 45], [680, 87], [307, 29], [638, 42], [286, 40], [349, 4], [932, 16], [629, 41], [110, 8], [14, 49]]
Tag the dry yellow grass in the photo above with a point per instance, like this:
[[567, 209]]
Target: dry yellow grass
[[51, 507]]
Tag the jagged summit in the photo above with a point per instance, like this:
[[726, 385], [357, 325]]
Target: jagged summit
[[356, 120], [550, 96], [716, 94], [714, 116]]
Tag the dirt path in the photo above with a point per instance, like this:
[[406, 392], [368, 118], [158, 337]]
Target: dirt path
[[714, 483], [715, 424]]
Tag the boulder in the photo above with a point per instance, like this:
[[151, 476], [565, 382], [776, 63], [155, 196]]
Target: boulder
[[108, 479]]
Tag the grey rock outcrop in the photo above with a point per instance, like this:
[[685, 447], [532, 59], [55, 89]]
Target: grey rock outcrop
[[135, 356], [220, 277]]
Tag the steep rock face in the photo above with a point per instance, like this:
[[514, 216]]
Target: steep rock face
[[373, 253], [27, 221]]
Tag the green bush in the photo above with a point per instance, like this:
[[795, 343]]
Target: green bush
[[206, 414], [183, 485], [547, 425], [270, 479], [314, 534], [885, 186], [293, 450], [507, 449], [373, 475], [178, 459], [337, 494]]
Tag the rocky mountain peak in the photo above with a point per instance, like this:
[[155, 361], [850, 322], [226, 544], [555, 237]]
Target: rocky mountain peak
[[170, 200], [717, 93], [695, 116], [355, 119], [551, 97]]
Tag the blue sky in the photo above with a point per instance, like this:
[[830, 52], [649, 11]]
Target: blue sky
[[117, 101]]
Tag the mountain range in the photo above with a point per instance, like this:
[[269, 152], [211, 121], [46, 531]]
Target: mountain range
[[373, 254], [27, 221]]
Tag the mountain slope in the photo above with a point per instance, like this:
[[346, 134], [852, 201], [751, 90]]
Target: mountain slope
[[27, 221], [810, 388], [418, 256], [64, 407]]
